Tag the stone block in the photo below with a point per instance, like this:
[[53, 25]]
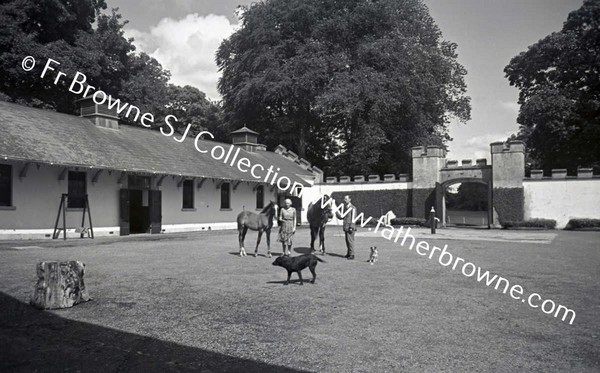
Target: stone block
[[374, 178], [537, 174], [317, 170], [59, 285], [452, 164], [585, 173], [344, 179], [389, 177], [403, 177], [559, 173], [481, 162], [435, 151], [331, 179], [303, 163], [359, 178], [418, 151], [291, 155], [466, 162], [280, 149]]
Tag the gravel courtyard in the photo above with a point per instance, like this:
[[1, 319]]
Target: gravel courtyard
[[187, 302]]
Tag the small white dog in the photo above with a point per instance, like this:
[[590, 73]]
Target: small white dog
[[373, 257]]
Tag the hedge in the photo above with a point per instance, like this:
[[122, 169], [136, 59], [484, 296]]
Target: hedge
[[574, 224], [508, 203], [410, 221], [533, 223], [422, 200]]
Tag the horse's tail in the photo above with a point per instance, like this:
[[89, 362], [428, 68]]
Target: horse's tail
[[240, 220]]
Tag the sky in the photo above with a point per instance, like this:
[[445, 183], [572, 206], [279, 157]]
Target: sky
[[183, 35]]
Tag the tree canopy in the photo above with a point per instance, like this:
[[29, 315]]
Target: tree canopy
[[83, 37], [559, 82], [349, 84]]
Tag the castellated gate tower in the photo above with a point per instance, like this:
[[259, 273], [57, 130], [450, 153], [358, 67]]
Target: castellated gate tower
[[427, 162], [508, 171], [503, 179]]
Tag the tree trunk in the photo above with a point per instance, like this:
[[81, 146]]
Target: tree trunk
[[59, 285], [301, 140]]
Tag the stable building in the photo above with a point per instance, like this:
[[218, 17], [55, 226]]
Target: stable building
[[134, 179]]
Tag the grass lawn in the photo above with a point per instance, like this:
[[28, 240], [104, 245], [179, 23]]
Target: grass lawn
[[187, 302]]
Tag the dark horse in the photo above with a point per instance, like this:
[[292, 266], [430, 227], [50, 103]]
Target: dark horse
[[262, 222], [318, 217]]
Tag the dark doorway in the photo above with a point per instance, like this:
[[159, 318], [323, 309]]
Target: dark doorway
[[140, 207], [139, 211], [465, 203]]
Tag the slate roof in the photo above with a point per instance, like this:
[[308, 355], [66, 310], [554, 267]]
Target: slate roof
[[243, 130], [37, 135]]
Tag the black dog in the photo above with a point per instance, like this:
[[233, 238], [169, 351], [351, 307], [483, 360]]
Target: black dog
[[297, 264]]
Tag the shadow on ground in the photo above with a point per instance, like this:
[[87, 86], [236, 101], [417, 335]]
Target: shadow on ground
[[292, 282], [33, 340], [302, 250], [336, 255], [251, 254]]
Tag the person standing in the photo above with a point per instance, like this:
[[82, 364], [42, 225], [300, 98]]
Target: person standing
[[287, 226], [349, 227]]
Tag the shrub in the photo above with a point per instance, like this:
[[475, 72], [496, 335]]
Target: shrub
[[410, 221], [533, 223], [583, 224]]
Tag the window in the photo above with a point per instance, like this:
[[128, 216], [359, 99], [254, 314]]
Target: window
[[138, 182], [5, 185], [260, 197], [76, 189], [225, 196], [188, 194]]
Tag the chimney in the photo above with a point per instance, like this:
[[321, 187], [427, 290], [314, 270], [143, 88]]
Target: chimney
[[246, 139], [99, 114]]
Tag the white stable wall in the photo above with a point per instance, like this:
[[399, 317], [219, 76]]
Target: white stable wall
[[562, 200]]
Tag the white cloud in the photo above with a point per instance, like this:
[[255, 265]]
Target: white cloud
[[187, 48], [476, 147]]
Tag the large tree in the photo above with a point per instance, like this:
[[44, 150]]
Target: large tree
[[559, 82], [191, 106], [83, 38], [349, 84]]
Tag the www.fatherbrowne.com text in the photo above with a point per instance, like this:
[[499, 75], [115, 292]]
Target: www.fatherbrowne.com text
[[446, 259]]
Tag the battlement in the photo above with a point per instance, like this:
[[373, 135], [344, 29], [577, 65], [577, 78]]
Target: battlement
[[283, 151], [481, 162], [428, 151], [507, 147], [371, 179], [561, 174]]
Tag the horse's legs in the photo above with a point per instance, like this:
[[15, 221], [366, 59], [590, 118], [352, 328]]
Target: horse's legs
[[268, 232], [313, 237], [242, 249], [260, 232], [322, 239], [241, 239]]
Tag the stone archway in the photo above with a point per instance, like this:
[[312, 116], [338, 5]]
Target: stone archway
[[441, 189]]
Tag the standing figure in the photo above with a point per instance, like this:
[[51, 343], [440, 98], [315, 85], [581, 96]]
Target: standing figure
[[287, 226], [349, 226]]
